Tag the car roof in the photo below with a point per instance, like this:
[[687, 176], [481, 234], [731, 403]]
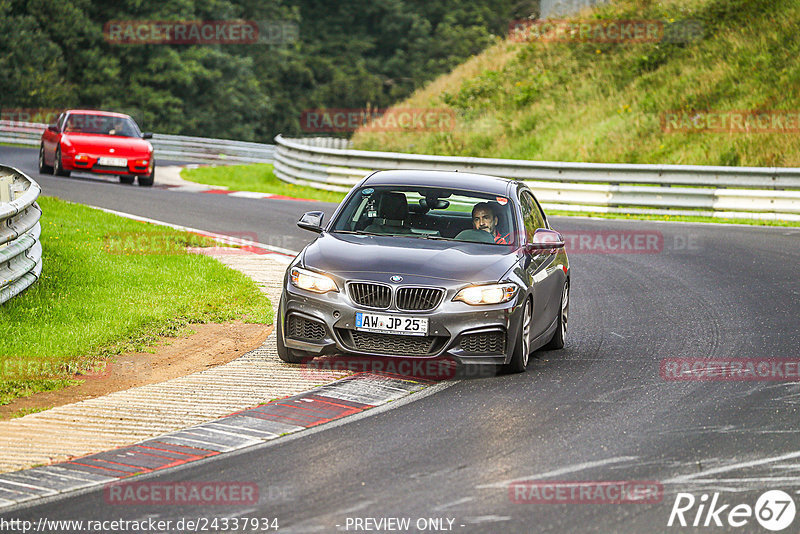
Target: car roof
[[448, 179], [96, 112]]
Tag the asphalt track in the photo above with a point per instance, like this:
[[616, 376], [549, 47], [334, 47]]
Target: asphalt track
[[598, 410]]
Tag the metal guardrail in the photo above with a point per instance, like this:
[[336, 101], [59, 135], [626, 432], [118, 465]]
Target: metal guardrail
[[170, 147], [560, 8], [330, 163], [206, 150], [20, 249], [732, 192]]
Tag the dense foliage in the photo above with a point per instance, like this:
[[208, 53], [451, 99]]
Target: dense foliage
[[350, 53]]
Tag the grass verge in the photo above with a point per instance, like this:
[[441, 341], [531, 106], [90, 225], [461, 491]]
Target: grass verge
[[18, 145], [605, 102], [111, 285], [258, 178]]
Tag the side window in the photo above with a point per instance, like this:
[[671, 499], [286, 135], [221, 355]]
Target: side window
[[60, 121], [531, 215], [538, 214]]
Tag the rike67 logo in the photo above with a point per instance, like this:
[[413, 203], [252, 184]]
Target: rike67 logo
[[774, 510]]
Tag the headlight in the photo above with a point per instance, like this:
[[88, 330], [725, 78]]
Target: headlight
[[311, 281], [487, 294]]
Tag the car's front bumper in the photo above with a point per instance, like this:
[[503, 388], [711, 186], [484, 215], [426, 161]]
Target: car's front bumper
[[325, 324], [90, 164]]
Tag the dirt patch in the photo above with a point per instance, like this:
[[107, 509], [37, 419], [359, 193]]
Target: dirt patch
[[211, 345]]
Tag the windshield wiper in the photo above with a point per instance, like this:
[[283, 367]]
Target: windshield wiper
[[439, 237], [414, 235], [355, 232]]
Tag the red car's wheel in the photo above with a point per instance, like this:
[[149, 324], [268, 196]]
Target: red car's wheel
[[58, 165], [148, 180], [44, 168]]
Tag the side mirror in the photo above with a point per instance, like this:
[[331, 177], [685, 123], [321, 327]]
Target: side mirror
[[52, 127], [312, 220], [544, 239], [147, 135]]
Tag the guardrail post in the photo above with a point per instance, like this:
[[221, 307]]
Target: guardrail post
[[5, 193], [20, 248], [5, 188]]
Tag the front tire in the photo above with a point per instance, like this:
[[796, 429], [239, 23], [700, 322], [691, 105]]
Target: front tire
[[522, 348], [147, 181], [126, 179], [58, 166], [44, 168], [285, 353], [560, 335]]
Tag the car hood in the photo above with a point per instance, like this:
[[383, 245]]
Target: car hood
[[417, 260], [97, 143]]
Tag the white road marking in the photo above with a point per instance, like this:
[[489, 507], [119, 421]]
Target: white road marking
[[790, 480], [220, 237], [486, 519], [731, 467], [250, 194], [560, 471], [454, 503]]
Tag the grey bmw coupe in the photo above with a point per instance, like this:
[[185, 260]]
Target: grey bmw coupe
[[428, 264]]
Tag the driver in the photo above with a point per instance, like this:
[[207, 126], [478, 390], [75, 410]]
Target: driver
[[117, 127], [484, 218]]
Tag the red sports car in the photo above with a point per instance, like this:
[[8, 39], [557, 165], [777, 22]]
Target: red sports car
[[97, 141]]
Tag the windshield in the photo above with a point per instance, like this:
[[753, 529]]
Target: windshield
[[101, 124], [428, 212]]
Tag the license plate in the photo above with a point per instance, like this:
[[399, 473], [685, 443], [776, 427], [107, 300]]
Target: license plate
[[113, 162], [392, 324]]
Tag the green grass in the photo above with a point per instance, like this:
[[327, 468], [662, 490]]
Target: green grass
[[604, 102], [111, 285], [258, 178], [678, 218], [27, 411], [17, 145]]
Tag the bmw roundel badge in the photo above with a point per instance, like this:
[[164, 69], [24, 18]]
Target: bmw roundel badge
[[396, 278]]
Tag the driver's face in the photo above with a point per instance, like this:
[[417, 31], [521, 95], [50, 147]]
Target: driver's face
[[483, 219]]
